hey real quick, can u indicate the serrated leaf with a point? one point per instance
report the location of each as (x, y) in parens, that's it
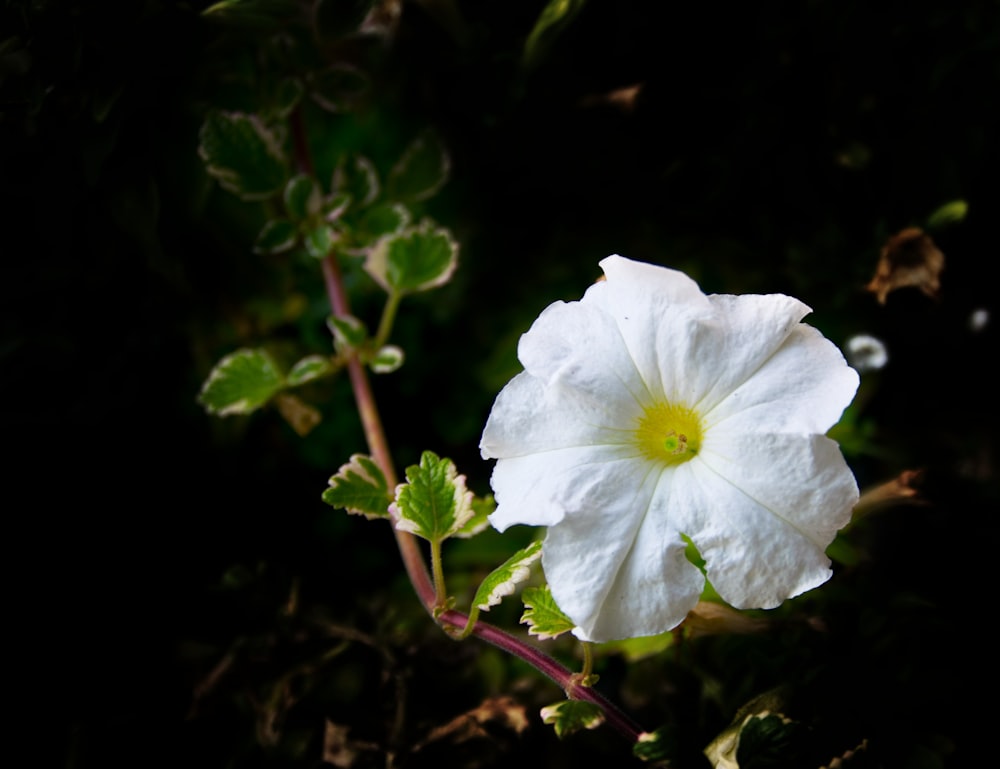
(543, 617)
(554, 18)
(319, 240)
(571, 716)
(349, 333)
(277, 235)
(505, 578)
(434, 503)
(414, 260)
(360, 488)
(357, 178)
(421, 171)
(243, 155)
(949, 213)
(482, 507)
(302, 197)
(309, 368)
(241, 382)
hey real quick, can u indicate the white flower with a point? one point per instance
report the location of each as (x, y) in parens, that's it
(648, 413)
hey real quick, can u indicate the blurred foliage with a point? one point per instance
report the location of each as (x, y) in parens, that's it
(195, 602)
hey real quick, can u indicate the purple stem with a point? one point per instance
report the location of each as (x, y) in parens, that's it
(409, 548)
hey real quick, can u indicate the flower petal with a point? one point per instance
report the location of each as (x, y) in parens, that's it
(668, 324)
(530, 416)
(577, 345)
(744, 332)
(653, 309)
(540, 489)
(804, 386)
(632, 578)
(769, 506)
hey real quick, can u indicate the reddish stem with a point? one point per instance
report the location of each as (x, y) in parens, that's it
(409, 547)
(413, 560)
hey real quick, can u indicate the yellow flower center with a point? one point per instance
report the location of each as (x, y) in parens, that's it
(669, 433)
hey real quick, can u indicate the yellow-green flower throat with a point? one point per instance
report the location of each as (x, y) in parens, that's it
(669, 433)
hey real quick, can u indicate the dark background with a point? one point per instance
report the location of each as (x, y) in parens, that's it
(771, 148)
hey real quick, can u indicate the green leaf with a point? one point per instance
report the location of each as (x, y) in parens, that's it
(414, 260)
(843, 551)
(277, 235)
(243, 155)
(653, 746)
(285, 98)
(357, 178)
(770, 741)
(543, 617)
(708, 593)
(309, 368)
(383, 219)
(360, 488)
(635, 649)
(335, 206)
(554, 18)
(349, 333)
(481, 509)
(502, 580)
(421, 171)
(302, 197)
(240, 383)
(949, 213)
(434, 503)
(757, 734)
(387, 359)
(319, 240)
(571, 716)
(338, 87)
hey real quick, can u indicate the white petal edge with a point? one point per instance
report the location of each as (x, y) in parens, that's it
(529, 417)
(762, 522)
(633, 579)
(803, 387)
(542, 489)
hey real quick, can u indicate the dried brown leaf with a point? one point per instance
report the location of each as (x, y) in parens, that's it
(904, 488)
(708, 618)
(908, 258)
(504, 712)
(623, 99)
(300, 415)
(341, 751)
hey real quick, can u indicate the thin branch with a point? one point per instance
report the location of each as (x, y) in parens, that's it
(409, 548)
(413, 559)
